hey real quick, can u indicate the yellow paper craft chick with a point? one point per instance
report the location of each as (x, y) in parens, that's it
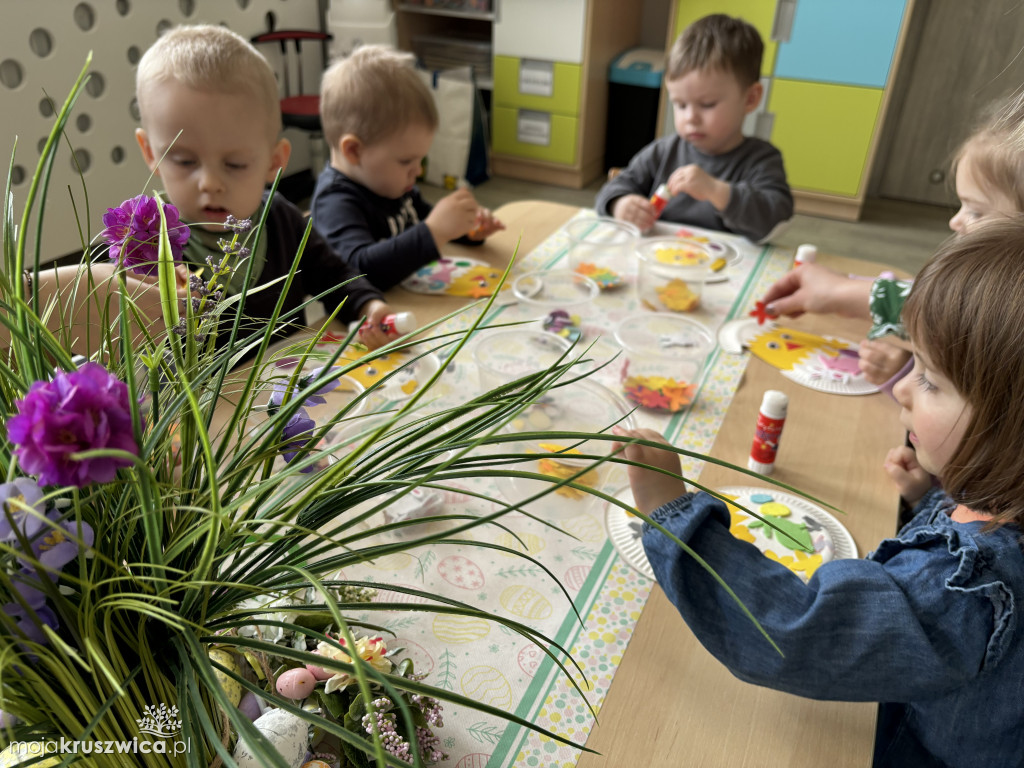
(476, 282)
(785, 348)
(677, 296)
(375, 370)
(561, 470)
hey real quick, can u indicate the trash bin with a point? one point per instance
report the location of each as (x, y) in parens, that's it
(634, 87)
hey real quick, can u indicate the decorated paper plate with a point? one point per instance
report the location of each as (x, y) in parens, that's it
(806, 522)
(461, 276)
(825, 363)
(413, 371)
(718, 245)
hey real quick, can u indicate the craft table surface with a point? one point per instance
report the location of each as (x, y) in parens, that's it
(670, 701)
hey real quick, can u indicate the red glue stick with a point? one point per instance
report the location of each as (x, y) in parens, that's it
(770, 419)
(660, 198)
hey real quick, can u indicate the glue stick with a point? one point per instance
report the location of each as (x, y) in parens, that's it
(770, 419)
(805, 254)
(660, 198)
(397, 324)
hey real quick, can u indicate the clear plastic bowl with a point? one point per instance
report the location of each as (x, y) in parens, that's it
(602, 249)
(582, 406)
(548, 290)
(664, 359)
(671, 274)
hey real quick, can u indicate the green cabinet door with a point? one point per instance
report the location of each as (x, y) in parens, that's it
(824, 133)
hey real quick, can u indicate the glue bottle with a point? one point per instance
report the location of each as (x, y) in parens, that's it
(770, 419)
(396, 325)
(805, 254)
(660, 198)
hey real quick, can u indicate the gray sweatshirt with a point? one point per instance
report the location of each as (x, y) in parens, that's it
(760, 197)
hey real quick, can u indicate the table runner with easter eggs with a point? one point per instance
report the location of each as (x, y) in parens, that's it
(490, 663)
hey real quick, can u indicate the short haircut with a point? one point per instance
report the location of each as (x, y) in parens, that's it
(964, 312)
(213, 59)
(718, 42)
(372, 94)
(996, 149)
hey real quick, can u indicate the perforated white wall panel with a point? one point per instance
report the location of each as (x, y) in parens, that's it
(43, 46)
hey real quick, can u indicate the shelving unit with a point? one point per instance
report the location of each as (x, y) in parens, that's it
(467, 33)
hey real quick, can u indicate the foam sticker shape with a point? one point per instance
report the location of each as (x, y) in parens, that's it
(460, 276)
(785, 348)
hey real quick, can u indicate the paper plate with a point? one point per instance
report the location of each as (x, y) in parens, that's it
(624, 529)
(458, 276)
(734, 335)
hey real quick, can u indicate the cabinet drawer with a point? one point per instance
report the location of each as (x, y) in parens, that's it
(534, 135)
(824, 133)
(541, 29)
(560, 80)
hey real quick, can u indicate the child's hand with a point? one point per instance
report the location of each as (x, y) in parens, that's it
(880, 360)
(912, 480)
(636, 210)
(651, 489)
(452, 217)
(813, 288)
(695, 182)
(375, 311)
(485, 225)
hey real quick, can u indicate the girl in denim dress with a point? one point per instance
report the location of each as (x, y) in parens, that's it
(930, 624)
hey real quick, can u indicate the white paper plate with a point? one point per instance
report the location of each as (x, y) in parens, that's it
(735, 335)
(625, 530)
(718, 244)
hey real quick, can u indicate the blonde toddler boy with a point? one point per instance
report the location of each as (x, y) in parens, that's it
(211, 131)
(379, 120)
(719, 179)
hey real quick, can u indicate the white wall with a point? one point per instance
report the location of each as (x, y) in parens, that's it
(43, 46)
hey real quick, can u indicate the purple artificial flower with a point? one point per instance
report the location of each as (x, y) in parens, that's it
(36, 602)
(83, 410)
(26, 492)
(58, 545)
(317, 398)
(298, 431)
(133, 231)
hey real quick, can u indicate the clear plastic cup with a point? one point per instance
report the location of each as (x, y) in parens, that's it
(664, 359)
(504, 354)
(671, 274)
(602, 249)
(582, 406)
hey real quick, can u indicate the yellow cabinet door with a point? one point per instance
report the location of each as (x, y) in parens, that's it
(534, 135)
(824, 133)
(759, 13)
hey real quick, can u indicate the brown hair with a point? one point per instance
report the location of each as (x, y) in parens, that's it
(372, 94)
(209, 58)
(996, 148)
(965, 312)
(718, 42)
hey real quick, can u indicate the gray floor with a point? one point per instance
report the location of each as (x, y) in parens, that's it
(893, 232)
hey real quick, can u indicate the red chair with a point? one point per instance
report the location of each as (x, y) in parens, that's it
(301, 110)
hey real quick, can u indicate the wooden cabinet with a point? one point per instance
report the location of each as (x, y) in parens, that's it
(827, 77)
(550, 98)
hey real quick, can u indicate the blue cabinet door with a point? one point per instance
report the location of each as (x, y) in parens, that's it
(841, 41)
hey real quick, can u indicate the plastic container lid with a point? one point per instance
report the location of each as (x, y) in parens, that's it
(643, 67)
(663, 334)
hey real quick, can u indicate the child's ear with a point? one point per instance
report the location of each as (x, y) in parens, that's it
(148, 156)
(351, 148)
(279, 158)
(753, 97)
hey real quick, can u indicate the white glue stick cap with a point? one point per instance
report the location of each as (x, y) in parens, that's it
(805, 254)
(405, 322)
(774, 404)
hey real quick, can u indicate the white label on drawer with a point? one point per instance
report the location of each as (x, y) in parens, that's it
(537, 77)
(533, 127)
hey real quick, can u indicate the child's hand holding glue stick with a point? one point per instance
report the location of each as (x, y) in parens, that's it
(383, 326)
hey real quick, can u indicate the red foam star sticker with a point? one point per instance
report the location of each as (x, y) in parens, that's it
(762, 313)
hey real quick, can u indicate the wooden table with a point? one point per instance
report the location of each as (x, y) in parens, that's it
(671, 702)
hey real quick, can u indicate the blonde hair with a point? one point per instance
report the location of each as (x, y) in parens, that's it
(964, 312)
(996, 149)
(718, 42)
(209, 58)
(372, 94)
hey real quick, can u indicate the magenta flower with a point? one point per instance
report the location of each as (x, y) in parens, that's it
(83, 410)
(133, 231)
